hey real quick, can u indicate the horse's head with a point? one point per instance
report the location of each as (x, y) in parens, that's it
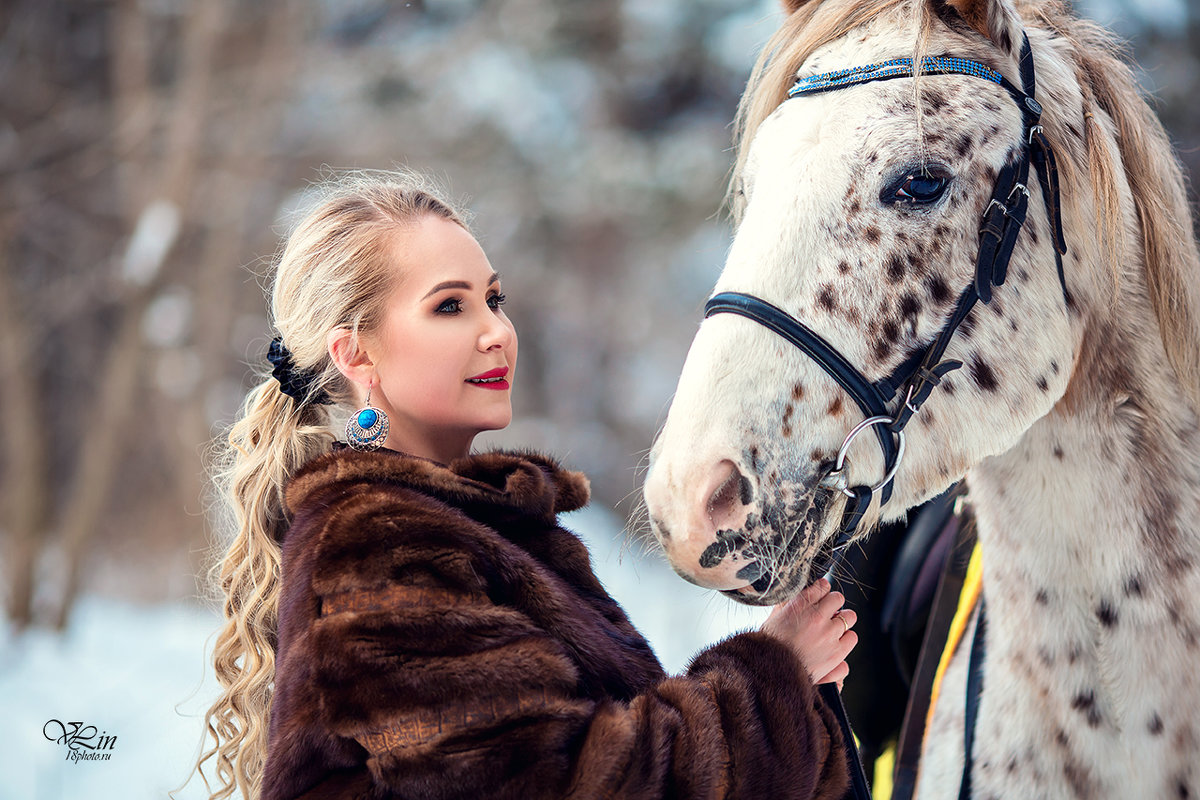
(858, 213)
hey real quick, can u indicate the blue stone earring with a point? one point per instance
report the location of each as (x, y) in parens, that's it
(368, 429)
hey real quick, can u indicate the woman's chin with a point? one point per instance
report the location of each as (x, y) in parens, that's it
(492, 422)
(499, 423)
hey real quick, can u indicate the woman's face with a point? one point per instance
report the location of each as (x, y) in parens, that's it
(445, 353)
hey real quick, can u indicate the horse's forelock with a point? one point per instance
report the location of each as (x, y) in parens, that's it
(810, 27)
(804, 31)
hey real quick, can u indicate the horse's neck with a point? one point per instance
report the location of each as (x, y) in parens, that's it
(1089, 527)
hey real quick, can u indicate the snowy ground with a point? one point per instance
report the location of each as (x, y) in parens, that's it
(140, 674)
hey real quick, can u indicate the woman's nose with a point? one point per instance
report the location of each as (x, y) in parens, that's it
(498, 333)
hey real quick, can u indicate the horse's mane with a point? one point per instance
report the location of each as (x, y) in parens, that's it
(1142, 150)
(1155, 177)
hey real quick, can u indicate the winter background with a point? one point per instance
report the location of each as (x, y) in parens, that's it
(150, 151)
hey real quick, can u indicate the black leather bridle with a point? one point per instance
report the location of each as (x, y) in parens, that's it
(915, 379)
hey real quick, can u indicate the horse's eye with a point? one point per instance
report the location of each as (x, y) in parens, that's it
(916, 188)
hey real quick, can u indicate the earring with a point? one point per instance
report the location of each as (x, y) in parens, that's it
(368, 428)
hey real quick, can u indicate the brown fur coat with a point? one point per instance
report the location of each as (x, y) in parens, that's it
(440, 636)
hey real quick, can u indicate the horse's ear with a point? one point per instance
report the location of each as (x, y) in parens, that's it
(996, 19)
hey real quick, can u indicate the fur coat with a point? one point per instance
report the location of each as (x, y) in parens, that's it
(440, 636)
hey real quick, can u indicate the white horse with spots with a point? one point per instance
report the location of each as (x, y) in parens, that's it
(1073, 417)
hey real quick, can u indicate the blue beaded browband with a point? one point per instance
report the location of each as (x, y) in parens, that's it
(895, 68)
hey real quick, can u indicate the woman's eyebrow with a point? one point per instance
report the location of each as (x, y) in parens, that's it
(458, 285)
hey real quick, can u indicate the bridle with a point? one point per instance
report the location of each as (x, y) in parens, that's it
(915, 379)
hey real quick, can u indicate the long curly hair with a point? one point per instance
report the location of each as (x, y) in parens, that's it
(334, 270)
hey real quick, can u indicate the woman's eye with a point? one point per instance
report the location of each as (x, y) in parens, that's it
(496, 300)
(450, 307)
(916, 189)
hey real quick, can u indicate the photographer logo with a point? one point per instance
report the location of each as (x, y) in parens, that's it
(83, 742)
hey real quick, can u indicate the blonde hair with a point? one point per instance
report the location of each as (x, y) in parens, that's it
(334, 271)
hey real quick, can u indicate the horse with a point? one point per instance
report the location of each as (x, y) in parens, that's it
(887, 154)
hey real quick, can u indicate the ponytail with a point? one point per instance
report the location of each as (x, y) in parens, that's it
(271, 441)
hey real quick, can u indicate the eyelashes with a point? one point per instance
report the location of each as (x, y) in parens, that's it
(453, 305)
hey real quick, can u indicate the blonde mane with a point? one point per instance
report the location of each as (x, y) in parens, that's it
(1167, 252)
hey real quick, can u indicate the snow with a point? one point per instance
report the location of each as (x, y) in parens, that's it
(135, 672)
(143, 675)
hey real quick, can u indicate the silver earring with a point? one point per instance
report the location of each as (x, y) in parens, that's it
(368, 428)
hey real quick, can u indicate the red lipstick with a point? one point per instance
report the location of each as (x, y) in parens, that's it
(492, 379)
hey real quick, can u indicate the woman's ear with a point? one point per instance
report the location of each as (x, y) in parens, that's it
(350, 357)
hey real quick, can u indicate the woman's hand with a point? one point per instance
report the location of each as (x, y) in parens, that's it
(817, 628)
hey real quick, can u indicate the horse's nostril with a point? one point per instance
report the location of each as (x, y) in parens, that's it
(746, 489)
(734, 493)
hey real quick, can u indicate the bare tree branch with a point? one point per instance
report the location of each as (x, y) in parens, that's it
(26, 501)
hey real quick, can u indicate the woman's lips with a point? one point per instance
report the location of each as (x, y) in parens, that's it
(492, 379)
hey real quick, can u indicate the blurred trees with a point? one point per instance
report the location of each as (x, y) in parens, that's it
(149, 151)
(126, 208)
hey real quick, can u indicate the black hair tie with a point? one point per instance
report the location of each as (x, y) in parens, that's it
(296, 384)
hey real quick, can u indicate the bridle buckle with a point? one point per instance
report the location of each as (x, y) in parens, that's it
(1020, 187)
(926, 377)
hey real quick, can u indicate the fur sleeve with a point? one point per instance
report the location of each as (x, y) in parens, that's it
(487, 708)
(744, 722)
(408, 659)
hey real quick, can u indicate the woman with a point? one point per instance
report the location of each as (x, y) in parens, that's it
(409, 617)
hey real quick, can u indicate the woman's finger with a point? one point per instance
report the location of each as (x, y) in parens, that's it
(837, 674)
(812, 594)
(830, 603)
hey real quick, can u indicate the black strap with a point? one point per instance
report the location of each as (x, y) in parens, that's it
(864, 393)
(1001, 223)
(828, 556)
(1044, 163)
(856, 507)
(932, 368)
(860, 788)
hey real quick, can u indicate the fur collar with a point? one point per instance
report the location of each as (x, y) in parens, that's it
(525, 482)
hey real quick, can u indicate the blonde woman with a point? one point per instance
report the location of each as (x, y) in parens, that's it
(406, 619)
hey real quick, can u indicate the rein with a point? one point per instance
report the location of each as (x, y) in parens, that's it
(916, 378)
